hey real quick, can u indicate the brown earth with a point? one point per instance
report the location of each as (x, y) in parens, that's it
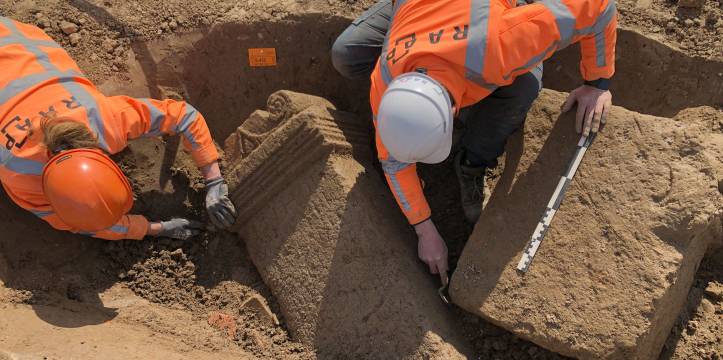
(67, 289)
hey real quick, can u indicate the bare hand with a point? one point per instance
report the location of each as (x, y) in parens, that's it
(593, 106)
(432, 249)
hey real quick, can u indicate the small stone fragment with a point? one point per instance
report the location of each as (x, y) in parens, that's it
(75, 39)
(257, 305)
(109, 45)
(714, 289)
(68, 27)
(707, 306)
(44, 24)
(692, 327)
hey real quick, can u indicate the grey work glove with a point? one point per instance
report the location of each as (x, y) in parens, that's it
(180, 229)
(220, 208)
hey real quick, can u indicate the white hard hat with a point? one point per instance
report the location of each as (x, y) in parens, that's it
(415, 119)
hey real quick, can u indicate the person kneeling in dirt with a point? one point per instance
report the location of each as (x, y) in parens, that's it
(57, 129)
(478, 61)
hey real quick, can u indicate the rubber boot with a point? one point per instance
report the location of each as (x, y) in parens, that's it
(472, 187)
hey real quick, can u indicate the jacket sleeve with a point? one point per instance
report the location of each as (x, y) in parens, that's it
(598, 45)
(135, 118)
(557, 24)
(405, 185)
(132, 227)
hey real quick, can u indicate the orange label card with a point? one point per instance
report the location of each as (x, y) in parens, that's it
(262, 57)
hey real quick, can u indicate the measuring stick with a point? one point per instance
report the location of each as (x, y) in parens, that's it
(541, 230)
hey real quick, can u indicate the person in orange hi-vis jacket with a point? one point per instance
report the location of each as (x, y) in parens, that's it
(478, 62)
(57, 129)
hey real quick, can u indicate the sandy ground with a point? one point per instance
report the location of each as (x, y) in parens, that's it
(168, 299)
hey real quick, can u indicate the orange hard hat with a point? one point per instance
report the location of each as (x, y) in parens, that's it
(86, 189)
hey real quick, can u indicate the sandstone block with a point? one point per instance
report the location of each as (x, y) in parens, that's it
(615, 268)
(328, 240)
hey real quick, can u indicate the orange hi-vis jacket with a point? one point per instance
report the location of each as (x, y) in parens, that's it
(38, 77)
(473, 47)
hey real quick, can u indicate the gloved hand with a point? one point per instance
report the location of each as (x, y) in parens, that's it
(220, 208)
(180, 229)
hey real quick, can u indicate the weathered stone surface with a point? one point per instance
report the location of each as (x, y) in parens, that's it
(615, 268)
(68, 27)
(328, 240)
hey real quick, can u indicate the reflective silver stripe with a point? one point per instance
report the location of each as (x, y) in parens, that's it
(566, 26)
(157, 117)
(119, 229)
(391, 168)
(386, 75)
(600, 56)
(184, 126)
(42, 214)
(91, 110)
(18, 86)
(81, 95)
(599, 30)
(13, 39)
(383, 62)
(400, 194)
(29, 44)
(477, 43)
(20, 165)
(564, 19)
(602, 21)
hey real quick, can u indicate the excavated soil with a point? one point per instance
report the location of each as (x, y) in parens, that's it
(169, 299)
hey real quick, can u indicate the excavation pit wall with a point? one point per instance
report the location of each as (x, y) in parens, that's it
(210, 69)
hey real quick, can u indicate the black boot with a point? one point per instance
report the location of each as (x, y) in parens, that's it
(472, 187)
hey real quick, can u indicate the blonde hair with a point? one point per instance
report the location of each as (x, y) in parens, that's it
(60, 134)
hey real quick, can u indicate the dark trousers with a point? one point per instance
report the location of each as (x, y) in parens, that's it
(486, 125)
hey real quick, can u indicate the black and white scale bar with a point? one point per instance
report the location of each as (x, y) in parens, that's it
(541, 230)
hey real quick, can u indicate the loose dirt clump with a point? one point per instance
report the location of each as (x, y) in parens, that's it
(156, 279)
